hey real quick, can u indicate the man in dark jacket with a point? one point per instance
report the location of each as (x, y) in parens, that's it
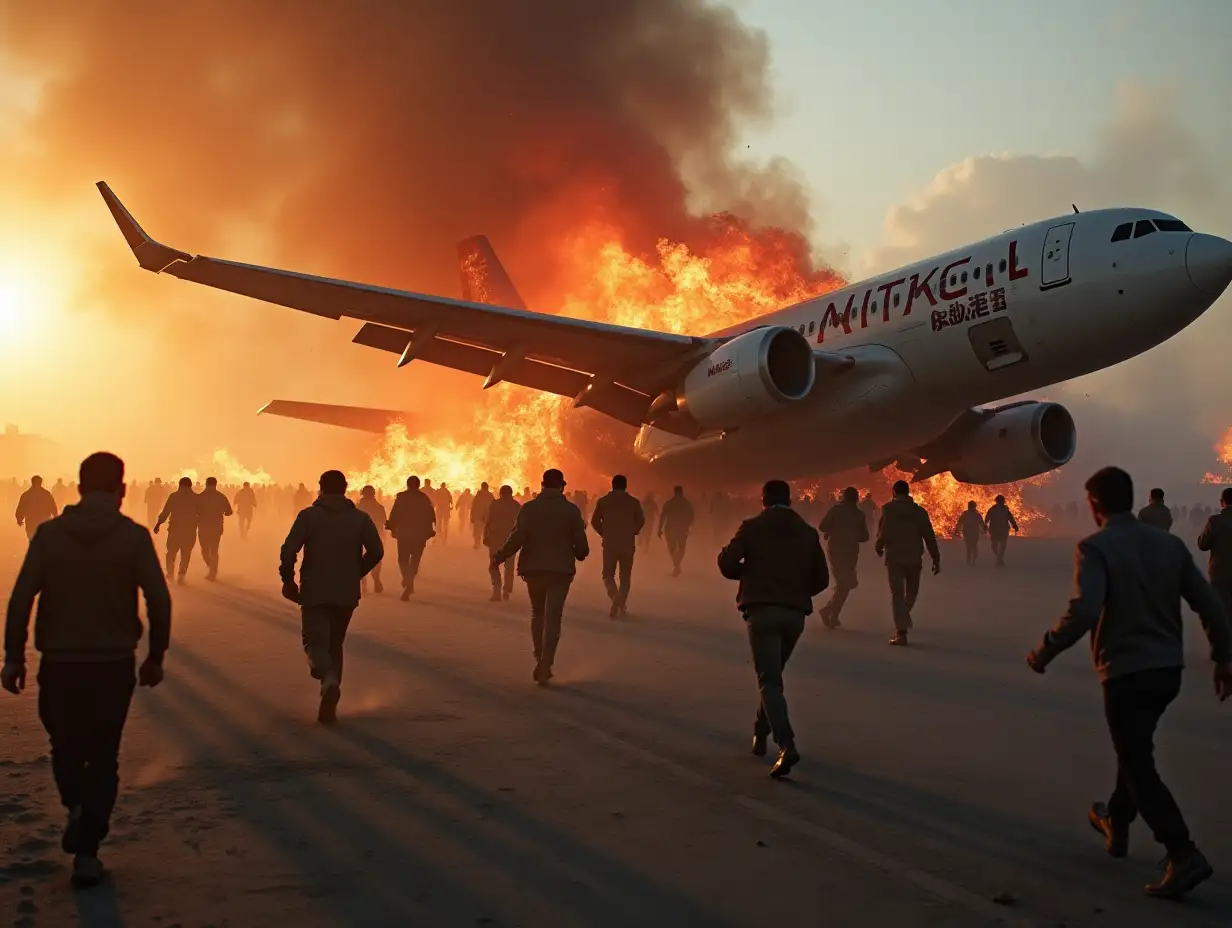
(35, 506)
(86, 567)
(374, 510)
(1156, 512)
(903, 533)
(778, 560)
(479, 513)
(618, 520)
(550, 533)
(501, 517)
(245, 507)
(1130, 580)
(675, 521)
(412, 521)
(1216, 538)
(999, 520)
(845, 528)
(971, 528)
(181, 510)
(212, 508)
(341, 546)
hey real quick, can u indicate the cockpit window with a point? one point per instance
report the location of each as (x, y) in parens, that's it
(1122, 232)
(1144, 227)
(1172, 225)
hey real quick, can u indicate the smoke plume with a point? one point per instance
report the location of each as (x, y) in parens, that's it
(356, 141)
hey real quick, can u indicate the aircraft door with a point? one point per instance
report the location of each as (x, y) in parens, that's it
(996, 344)
(1054, 261)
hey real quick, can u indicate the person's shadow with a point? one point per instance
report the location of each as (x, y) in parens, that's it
(98, 907)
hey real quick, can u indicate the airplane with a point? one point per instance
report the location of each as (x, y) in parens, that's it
(897, 369)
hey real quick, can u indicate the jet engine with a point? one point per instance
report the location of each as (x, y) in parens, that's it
(1017, 442)
(750, 376)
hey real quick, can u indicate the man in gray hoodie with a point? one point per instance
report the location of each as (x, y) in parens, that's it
(85, 567)
(1130, 580)
(341, 546)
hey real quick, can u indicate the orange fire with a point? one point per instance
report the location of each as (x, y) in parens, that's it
(229, 471)
(1223, 451)
(946, 499)
(694, 289)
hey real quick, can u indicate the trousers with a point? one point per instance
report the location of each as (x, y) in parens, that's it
(618, 558)
(209, 542)
(973, 550)
(904, 589)
(180, 543)
(998, 544)
(494, 574)
(323, 630)
(547, 592)
(773, 633)
(83, 707)
(843, 572)
(675, 549)
(410, 554)
(1133, 705)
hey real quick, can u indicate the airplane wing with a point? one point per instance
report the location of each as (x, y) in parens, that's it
(348, 417)
(614, 369)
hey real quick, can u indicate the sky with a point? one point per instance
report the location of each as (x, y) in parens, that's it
(580, 138)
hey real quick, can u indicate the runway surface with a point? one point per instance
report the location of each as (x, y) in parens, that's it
(942, 785)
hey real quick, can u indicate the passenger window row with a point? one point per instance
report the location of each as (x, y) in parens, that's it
(1146, 227)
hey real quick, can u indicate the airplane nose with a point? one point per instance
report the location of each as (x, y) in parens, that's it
(1208, 258)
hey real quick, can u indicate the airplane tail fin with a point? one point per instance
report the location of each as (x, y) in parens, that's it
(484, 279)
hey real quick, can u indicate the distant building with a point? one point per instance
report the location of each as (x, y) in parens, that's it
(22, 454)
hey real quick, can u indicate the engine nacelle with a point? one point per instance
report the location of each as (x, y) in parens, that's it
(749, 376)
(1018, 442)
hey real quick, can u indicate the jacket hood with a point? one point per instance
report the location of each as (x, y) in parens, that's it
(552, 491)
(93, 518)
(335, 501)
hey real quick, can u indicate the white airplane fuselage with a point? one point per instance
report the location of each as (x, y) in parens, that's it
(1014, 313)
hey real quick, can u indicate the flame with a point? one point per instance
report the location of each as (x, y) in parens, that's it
(1223, 451)
(946, 499)
(733, 274)
(229, 471)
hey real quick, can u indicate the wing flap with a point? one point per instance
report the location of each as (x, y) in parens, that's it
(360, 418)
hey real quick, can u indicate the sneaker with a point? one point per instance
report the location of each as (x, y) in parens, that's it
(505, 595)
(1116, 838)
(88, 871)
(759, 745)
(1182, 873)
(614, 611)
(406, 594)
(495, 597)
(899, 640)
(542, 674)
(72, 831)
(331, 693)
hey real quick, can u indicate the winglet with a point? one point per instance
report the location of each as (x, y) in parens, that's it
(150, 254)
(484, 278)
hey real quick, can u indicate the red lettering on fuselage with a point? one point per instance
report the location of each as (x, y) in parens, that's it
(886, 290)
(719, 368)
(946, 293)
(832, 319)
(1016, 272)
(864, 309)
(918, 288)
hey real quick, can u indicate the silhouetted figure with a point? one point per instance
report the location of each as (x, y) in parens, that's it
(371, 506)
(444, 511)
(245, 508)
(465, 500)
(479, 513)
(618, 519)
(85, 568)
(650, 509)
(502, 516)
(903, 533)
(1129, 583)
(212, 508)
(341, 545)
(971, 528)
(582, 500)
(180, 511)
(999, 520)
(1216, 538)
(412, 521)
(845, 528)
(869, 506)
(1156, 513)
(777, 558)
(675, 521)
(35, 506)
(550, 533)
(301, 500)
(155, 498)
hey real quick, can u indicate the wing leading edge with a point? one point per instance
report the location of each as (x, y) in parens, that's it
(615, 369)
